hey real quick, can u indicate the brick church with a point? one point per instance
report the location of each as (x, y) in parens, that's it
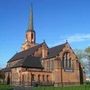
(41, 65)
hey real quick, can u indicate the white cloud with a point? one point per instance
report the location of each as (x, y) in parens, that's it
(72, 38)
(78, 37)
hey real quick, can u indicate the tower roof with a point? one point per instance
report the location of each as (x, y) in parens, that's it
(30, 25)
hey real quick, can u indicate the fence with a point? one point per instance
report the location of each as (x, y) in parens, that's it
(33, 83)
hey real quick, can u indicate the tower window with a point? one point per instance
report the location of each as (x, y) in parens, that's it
(32, 35)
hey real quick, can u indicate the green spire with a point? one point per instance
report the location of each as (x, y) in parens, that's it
(30, 26)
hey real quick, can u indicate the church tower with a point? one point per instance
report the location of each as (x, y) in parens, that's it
(30, 33)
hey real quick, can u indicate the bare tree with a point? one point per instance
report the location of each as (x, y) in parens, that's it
(87, 51)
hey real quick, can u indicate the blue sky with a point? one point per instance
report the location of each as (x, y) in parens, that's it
(55, 21)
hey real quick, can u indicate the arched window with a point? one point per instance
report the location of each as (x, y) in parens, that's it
(67, 60)
(39, 77)
(43, 78)
(69, 63)
(32, 77)
(47, 77)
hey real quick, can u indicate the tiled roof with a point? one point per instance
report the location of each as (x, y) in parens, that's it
(55, 50)
(25, 58)
(52, 52)
(7, 69)
(29, 62)
(24, 54)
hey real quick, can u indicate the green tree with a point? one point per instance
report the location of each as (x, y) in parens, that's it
(87, 50)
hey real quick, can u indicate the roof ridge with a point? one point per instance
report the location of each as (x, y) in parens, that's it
(57, 45)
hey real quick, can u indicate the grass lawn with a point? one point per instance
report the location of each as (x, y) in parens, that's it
(5, 87)
(84, 87)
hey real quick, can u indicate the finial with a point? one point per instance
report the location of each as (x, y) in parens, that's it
(66, 41)
(43, 40)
